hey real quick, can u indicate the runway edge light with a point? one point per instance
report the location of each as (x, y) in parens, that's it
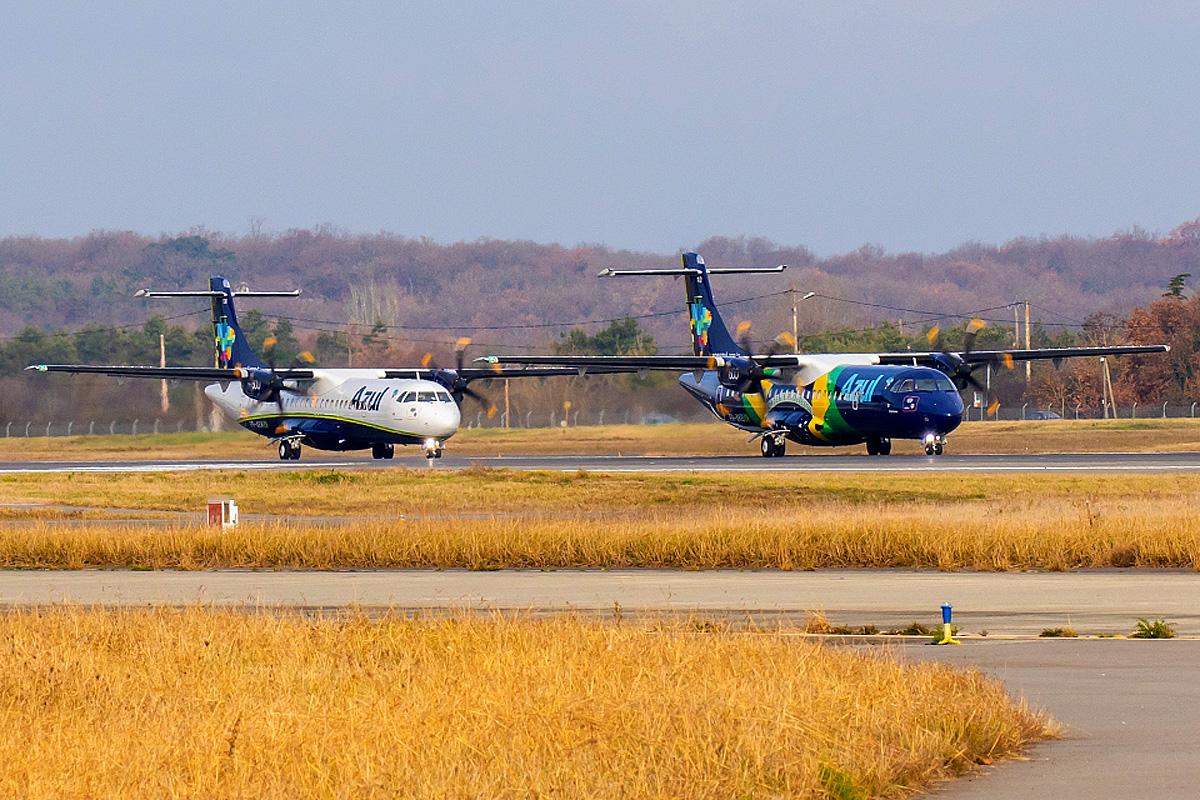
(947, 636)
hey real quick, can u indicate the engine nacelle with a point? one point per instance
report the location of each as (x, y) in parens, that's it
(742, 375)
(260, 384)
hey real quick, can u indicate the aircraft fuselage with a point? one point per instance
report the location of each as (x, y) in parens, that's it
(848, 405)
(346, 410)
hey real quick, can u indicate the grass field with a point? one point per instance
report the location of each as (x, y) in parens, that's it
(491, 519)
(199, 703)
(711, 438)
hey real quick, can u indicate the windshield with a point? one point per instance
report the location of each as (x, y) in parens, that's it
(936, 383)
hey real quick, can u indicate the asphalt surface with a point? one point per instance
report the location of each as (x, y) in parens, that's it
(1094, 602)
(1026, 462)
(1129, 710)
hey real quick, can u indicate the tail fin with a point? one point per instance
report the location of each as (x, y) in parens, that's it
(232, 348)
(709, 334)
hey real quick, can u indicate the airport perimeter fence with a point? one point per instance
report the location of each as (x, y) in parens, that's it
(28, 428)
(112, 427)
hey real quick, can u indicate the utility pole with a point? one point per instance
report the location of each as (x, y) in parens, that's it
(1028, 346)
(506, 403)
(162, 362)
(795, 327)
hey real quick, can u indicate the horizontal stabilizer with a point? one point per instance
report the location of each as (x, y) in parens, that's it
(611, 273)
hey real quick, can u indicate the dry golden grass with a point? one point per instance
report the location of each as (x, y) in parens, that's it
(492, 519)
(706, 438)
(1037, 536)
(199, 703)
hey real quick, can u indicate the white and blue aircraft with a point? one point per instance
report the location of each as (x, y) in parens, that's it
(328, 409)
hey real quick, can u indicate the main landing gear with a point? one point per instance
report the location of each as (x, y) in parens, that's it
(382, 450)
(773, 446)
(289, 450)
(879, 447)
(934, 444)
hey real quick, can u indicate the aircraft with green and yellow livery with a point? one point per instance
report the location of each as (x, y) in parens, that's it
(820, 399)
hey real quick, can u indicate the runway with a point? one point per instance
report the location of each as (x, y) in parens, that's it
(1019, 463)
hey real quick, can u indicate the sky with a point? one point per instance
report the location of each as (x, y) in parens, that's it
(914, 126)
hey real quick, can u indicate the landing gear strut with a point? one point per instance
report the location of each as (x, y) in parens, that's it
(773, 446)
(382, 450)
(289, 450)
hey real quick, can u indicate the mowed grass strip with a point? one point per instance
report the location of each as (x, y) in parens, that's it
(495, 519)
(206, 703)
(693, 438)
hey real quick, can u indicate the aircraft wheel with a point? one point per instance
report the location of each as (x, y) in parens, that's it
(285, 452)
(780, 448)
(885, 447)
(378, 451)
(437, 453)
(872, 447)
(389, 450)
(767, 447)
(929, 449)
(938, 447)
(295, 451)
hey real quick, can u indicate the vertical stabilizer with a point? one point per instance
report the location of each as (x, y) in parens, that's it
(709, 334)
(232, 348)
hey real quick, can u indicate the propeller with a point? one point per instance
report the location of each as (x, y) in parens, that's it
(457, 385)
(272, 384)
(961, 371)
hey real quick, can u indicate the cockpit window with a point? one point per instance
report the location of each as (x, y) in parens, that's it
(444, 397)
(426, 397)
(937, 383)
(408, 397)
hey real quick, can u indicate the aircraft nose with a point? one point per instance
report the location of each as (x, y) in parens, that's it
(942, 411)
(445, 421)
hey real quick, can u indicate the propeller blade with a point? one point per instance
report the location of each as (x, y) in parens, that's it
(932, 335)
(973, 329)
(488, 405)
(460, 350)
(743, 335)
(426, 359)
(783, 343)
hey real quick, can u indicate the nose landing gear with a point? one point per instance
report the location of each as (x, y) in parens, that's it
(433, 449)
(934, 444)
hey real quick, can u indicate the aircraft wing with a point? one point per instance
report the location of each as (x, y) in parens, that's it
(496, 372)
(1008, 356)
(171, 373)
(803, 360)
